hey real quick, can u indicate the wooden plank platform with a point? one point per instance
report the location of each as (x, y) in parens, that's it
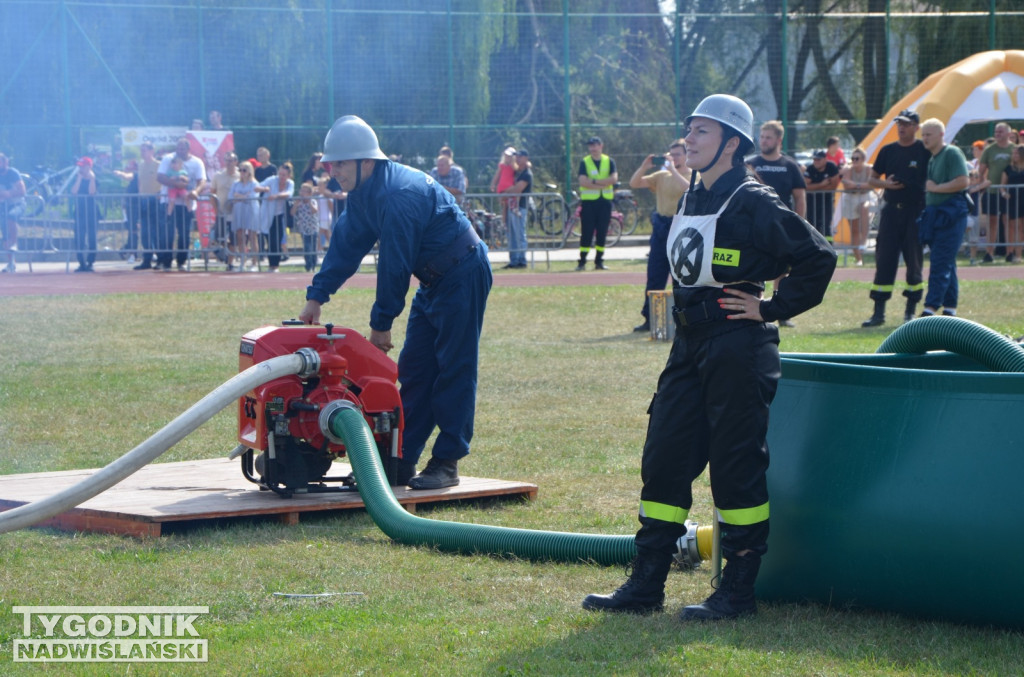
(192, 491)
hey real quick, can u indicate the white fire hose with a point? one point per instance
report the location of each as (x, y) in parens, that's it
(304, 362)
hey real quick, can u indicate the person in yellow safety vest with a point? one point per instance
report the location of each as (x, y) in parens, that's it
(597, 178)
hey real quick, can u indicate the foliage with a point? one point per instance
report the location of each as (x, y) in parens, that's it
(476, 74)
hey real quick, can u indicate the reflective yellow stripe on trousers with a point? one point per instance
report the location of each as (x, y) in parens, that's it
(663, 512)
(745, 516)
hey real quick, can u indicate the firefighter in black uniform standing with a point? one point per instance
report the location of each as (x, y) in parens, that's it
(904, 164)
(711, 406)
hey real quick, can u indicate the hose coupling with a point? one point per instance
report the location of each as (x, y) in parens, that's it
(687, 554)
(327, 412)
(310, 362)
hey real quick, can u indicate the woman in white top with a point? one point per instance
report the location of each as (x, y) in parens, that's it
(858, 199)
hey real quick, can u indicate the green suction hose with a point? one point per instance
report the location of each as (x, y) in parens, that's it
(957, 335)
(348, 424)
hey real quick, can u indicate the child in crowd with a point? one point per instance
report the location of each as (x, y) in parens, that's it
(245, 216)
(324, 210)
(833, 153)
(305, 212)
(504, 178)
(176, 196)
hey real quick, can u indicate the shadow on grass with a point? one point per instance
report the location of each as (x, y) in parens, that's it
(781, 639)
(628, 337)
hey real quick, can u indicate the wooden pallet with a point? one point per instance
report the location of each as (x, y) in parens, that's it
(193, 491)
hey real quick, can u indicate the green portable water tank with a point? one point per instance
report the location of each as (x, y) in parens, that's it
(895, 484)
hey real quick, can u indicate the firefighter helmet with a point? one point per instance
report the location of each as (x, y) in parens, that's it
(350, 138)
(728, 111)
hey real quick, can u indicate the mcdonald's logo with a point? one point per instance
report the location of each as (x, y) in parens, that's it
(1011, 93)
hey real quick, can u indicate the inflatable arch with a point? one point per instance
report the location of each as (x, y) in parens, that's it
(988, 86)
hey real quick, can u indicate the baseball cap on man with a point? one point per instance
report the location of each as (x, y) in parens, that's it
(522, 152)
(85, 162)
(819, 154)
(594, 139)
(907, 115)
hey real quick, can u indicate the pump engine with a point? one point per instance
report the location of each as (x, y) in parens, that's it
(279, 423)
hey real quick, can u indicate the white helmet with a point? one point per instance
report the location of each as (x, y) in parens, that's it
(350, 138)
(729, 111)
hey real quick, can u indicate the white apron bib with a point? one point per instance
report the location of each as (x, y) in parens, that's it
(691, 246)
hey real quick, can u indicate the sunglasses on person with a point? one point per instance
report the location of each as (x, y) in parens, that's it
(858, 158)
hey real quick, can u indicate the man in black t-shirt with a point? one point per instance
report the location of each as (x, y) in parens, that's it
(822, 177)
(779, 171)
(782, 173)
(517, 210)
(904, 164)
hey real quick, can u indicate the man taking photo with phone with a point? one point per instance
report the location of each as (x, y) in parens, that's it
(668, 184)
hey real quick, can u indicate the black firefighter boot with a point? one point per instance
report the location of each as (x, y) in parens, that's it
(582, 265)
(643, 593)
(911, 312)
(439, 473)
(735, 594)
(599, 261)
(878, 317)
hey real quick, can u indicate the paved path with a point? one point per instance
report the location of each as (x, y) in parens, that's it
(116, 276)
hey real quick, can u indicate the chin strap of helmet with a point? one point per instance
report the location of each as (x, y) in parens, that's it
(727, 133)
(721, 147)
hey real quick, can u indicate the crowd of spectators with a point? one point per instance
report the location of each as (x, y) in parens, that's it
(255, 202)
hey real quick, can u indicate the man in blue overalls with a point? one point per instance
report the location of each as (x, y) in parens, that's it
(422, 232)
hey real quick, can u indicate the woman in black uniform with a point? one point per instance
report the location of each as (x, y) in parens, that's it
(711, 407)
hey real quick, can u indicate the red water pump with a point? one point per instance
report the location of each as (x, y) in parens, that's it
(279, 422)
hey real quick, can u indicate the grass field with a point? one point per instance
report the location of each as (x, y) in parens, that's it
(564, 386)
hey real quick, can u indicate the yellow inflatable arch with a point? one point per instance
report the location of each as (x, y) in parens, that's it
(988, 86)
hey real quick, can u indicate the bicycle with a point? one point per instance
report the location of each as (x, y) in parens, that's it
(549, 217)
(47, 185)
(490, 227)
(627, 205)
(572, 224)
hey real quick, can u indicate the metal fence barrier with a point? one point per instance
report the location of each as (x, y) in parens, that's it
(134, 227)
(68, 227)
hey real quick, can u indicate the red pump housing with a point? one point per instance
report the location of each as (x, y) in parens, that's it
(279, 420)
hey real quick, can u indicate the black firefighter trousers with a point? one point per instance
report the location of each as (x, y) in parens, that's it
(711, 409)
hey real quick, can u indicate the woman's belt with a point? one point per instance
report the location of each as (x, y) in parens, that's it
(698, 313)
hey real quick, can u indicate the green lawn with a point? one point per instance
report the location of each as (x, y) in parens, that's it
(564, 386)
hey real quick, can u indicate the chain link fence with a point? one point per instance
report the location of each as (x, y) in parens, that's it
(477, 75)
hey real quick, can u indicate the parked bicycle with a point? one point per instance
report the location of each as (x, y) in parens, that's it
(489, 226)
(47, 185)
(574, 229)
(626, 204)
(547, 213)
